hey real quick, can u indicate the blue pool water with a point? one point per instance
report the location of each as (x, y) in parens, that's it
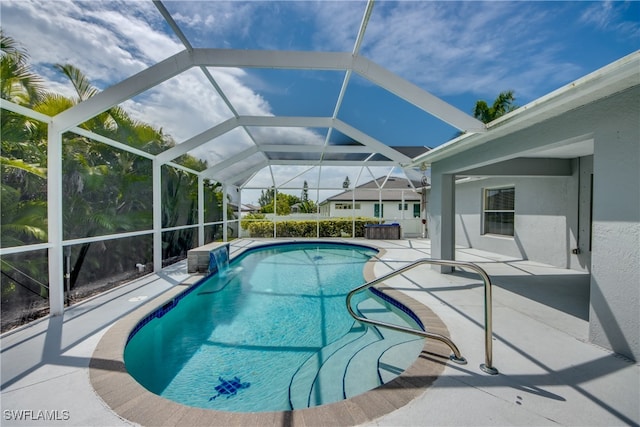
(254, 339)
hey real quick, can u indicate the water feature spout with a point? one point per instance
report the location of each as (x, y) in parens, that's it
(219, 261)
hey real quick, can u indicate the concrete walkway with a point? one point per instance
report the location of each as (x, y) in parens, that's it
(549, 373)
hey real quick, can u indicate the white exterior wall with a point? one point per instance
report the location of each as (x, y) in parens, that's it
(611, 124)
(366, 209)
(411, 227)
(615, 271)
(391, 210)
(545, 219)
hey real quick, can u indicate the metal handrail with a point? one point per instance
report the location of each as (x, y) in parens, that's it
(456, 356)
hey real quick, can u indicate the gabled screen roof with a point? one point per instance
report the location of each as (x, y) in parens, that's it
(246, 86)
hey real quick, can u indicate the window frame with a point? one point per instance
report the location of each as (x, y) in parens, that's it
(483, 223)
(417, 212)
(378, 210)
(343, 206)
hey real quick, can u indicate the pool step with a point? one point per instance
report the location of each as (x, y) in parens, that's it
(361, 360)
(328, 385)
(380, 362)
(398, 358)
(303, 380)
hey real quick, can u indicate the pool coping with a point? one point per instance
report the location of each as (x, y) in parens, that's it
(132, 402)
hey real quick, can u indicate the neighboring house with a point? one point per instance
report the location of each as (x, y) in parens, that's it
(392, 199)
(556, 181)
(247, 208)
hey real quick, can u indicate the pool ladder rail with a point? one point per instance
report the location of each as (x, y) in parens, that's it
(456, 357)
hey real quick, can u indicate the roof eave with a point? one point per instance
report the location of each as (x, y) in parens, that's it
(613, 78)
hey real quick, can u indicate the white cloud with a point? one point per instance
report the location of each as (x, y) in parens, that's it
(600, 14)
(110, 41)
(611, 16)
(245, 100)
(337, 23)
(220, 18)
(64, 32)
(448, 48)
(456, 48)
(280, 135)
(137, 37)
(184, 106)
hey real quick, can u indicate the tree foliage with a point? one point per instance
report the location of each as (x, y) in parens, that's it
(105, 190)
(18, 83)
(282, 204)
(503, 104)
(266, 197)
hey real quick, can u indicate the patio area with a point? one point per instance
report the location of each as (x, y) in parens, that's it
(549, 373)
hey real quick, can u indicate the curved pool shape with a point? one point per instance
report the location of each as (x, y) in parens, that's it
(272, 333)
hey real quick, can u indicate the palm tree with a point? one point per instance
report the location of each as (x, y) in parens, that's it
(23, 160)
(105, 190)
(503, 104)
(23, 206)
(18, 83)
(308, 206)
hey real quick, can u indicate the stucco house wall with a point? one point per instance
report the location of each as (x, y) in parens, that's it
(598, 116)
(615, 270)
(546, 219)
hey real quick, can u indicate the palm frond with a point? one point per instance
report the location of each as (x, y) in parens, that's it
(80, 82)
(105, 220)
(19, 83)
(22, 165)
(52, 103)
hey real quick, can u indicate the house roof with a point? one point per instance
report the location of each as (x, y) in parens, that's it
(393, 189)
(604, 83)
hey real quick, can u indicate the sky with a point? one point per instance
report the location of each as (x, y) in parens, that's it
(460, 52)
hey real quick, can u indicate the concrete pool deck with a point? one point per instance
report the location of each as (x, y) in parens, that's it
(549, 373)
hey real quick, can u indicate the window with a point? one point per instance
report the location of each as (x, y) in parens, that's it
(347, 206)
(378, 210)
(403, 208)
(416, 210)
(499, 212)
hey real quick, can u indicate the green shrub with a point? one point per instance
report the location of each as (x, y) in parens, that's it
(260, 228)
(249, 218)
(333, 227)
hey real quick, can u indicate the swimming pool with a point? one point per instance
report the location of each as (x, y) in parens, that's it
(273, 333)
